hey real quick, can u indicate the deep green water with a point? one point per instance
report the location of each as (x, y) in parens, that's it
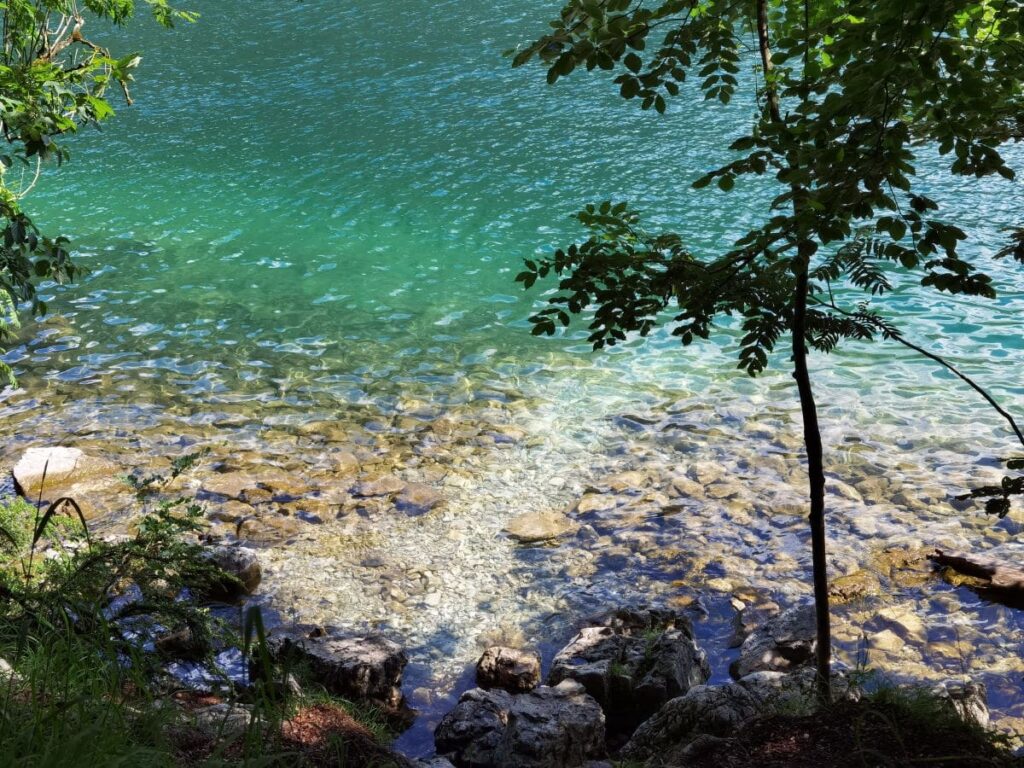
(314, 206)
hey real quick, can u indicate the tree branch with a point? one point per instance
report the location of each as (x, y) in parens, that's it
(891, 333)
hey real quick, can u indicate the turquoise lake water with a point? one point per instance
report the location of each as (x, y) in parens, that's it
(316, 212)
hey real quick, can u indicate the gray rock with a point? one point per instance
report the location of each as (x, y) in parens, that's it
(718, 710)
(511, 669)
(362, 668)
(782, 643)
(968, 700)
(224, 719)
(632, 662)
(559, 727)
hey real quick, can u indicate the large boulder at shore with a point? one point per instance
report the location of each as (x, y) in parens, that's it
(718, 710)
(511, 669)
(550, 727)
(48, 474)
(362, 668)
(633, 661)
(782, 643)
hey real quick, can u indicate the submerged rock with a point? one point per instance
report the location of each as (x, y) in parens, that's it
(508, 668)
(417, 499)
(854, 586)
(48, 474)
(267, 529)
(535, 527)
(632, 662)
(382, 486)
(229, 485)
(240, 563)
(783, 643)
(551, 727)
(363, 668)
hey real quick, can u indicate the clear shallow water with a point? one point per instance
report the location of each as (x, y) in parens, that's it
(313, 215)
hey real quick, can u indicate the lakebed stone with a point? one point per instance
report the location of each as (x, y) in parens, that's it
(240, 563)
(388, 485)
(47, 474)
(854, 586)
(417, 499)
(550, 727)
(535, 527)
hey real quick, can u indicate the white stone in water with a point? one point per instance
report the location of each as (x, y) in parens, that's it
(55, 463)
(59, 471)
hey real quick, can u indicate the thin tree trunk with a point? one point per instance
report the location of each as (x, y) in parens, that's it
(808, 408)
(771, 92)
(816, 476)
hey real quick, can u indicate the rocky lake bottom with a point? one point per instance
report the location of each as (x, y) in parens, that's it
(504, 519)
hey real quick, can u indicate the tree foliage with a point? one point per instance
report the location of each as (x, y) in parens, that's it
(882, 83)
(53, 80)
(850, 96)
